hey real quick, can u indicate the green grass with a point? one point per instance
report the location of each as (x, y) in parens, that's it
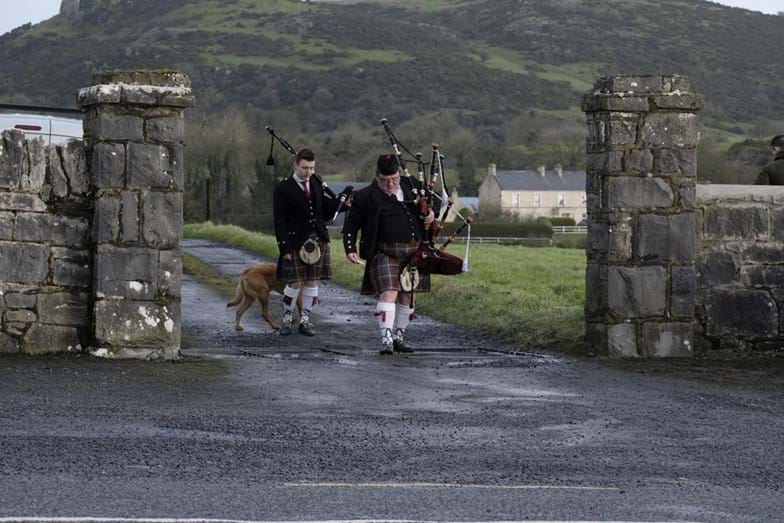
(570, 241)
(209, 14)
(230, 59)
(306, 54)
(423, 6)
(207, 274)
(216, 18)
(579, 75)
(530, 296)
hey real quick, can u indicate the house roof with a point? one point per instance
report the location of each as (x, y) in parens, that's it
(533, 181)
(339, 186)
(472, 202)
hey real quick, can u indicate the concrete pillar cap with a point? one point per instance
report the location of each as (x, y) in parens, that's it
(140, 88)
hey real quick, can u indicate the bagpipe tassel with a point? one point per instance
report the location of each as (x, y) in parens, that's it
(466, 265)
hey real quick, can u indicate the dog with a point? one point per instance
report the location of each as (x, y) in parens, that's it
(255, 284)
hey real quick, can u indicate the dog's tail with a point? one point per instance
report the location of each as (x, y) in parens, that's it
(238, 297)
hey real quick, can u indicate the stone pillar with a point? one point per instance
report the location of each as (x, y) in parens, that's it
(641, 174)
(134, 128)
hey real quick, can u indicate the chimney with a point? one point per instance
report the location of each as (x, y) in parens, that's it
(559, 170)
(541, 170)
(491, 170)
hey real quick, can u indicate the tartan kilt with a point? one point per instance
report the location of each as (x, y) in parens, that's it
(295, 270)
(382, 273)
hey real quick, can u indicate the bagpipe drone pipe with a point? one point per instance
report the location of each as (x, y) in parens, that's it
(344, 195)
(429, 259)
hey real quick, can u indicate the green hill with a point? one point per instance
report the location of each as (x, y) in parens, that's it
(325, 65)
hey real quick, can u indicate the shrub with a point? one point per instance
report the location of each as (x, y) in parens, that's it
(562, 222)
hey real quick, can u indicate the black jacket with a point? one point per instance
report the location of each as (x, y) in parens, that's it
(295, 218)
(365, 213)
(773, 173)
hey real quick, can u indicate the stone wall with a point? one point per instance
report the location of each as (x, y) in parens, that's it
(134, 130)
(90, 231)
(673, 267)
(740, 267)
(45, 257)
(640, 184)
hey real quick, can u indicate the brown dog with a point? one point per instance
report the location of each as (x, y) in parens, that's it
(255, 284)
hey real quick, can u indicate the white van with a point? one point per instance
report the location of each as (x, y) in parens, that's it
(53, 127)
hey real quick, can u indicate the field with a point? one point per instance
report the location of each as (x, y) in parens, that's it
(530, 296)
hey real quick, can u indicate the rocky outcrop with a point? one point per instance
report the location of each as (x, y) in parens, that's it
(76, 8)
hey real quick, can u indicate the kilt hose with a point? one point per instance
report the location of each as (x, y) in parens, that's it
(382, 273)
(296, 271)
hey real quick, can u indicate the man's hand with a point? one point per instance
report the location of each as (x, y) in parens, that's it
(430, 218)
(353, 257)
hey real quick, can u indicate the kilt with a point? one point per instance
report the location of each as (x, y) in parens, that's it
(295, 270)
(382, 273)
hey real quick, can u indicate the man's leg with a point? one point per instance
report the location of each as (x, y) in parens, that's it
(403, 316)
(385, 311)
(309, 301)
(290, 293)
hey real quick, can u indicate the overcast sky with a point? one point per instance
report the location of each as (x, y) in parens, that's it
(14, 13)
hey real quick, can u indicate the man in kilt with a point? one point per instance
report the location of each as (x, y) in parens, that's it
(391, 229)
(300, 211)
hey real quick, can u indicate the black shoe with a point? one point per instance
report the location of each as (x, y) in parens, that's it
(306, 330)
(400, 346)
(285, 328)
(386, 350)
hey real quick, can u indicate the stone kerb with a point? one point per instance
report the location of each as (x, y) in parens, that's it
(641, 173)
(134, 128)
(45, 265)
(740, 267)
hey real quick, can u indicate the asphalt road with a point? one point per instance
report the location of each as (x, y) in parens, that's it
(254, 426)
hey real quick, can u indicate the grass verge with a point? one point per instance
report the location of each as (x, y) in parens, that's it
(530, 296)
(208, 275)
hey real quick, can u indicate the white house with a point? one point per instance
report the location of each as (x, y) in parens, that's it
(555, 193)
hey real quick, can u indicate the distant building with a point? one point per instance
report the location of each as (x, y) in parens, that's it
(555, 193)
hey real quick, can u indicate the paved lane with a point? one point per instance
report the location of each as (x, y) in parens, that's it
(260, 427)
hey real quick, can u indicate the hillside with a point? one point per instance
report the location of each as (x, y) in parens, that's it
(325, 65)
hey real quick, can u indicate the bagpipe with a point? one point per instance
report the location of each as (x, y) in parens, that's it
(344, 196)
(429, 259)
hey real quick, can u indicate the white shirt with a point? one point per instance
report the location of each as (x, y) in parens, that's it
(300, 181)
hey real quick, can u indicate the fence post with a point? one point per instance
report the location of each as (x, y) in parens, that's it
(134, 130)
(641, 174)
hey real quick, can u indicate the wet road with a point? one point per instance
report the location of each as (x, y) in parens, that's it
(258, 427)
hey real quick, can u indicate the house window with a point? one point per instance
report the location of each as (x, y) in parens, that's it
(515, 199)
(537, 199)
(561, 199)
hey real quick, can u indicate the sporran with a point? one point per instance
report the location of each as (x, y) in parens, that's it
(409, 278)
(310, 252)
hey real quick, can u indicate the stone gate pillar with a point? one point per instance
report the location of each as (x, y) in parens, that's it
(134, 127)
(641, 175)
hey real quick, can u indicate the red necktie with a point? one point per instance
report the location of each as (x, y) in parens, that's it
(307, 189)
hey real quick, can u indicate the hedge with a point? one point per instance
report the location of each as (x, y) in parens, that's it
(562, 222)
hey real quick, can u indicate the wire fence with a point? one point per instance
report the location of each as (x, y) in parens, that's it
(504, 240)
